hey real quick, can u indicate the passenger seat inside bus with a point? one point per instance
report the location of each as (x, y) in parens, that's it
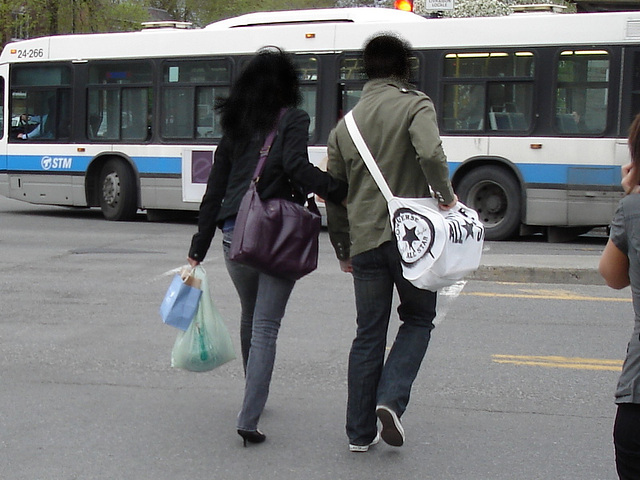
(507, 121)
(566, 123)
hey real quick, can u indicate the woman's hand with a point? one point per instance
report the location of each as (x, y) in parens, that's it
(630, 178)
(192, 262)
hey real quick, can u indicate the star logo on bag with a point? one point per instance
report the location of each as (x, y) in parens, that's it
(468, 226)
(410, 236)
(414, 234)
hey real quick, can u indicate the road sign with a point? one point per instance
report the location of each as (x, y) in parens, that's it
(439, 5)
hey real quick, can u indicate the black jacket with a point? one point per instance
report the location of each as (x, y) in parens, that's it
(287, 174)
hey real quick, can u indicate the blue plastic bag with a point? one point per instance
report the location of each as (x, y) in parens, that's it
(180, 303)
(206, 344)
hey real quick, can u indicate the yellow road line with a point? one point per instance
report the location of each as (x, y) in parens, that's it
(548, 296)
(560, 362)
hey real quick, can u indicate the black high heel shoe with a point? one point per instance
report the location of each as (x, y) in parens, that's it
(251, 436)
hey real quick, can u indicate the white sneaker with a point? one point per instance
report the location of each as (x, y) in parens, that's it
(392, 431)
(364, 448)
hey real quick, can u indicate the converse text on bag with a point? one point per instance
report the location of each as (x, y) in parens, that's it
(415, 235)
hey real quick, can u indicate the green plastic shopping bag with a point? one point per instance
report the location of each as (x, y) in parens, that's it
(206, 344)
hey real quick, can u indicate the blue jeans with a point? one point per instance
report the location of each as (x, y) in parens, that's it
(371, 380)
(263, 299)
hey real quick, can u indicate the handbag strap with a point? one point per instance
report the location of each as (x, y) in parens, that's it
(365, 153)
(268, 141)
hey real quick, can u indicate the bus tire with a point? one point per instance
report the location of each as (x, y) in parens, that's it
(117, 191)
(495, 194)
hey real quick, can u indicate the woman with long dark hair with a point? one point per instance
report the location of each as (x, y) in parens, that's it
(620, 267)
(265, 96)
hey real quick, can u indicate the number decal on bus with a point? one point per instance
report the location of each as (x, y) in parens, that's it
(29, 53)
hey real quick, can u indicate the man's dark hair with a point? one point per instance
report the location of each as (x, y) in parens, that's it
(387, 55)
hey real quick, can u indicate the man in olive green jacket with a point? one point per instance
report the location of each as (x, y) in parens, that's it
(400, 128)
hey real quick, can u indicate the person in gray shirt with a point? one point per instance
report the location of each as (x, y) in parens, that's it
(620, 267)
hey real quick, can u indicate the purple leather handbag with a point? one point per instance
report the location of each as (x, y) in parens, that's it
(276, 236)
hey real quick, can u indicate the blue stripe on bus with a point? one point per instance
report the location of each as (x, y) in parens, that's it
(565, 174)
(80, 163)
(571, 174)
(531, 173)
(159, 164)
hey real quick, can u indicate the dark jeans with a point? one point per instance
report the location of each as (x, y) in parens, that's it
(371, 380)
(263, 300)
(626, 438)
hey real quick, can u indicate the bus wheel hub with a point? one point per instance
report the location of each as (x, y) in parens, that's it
(494, 204)
(110, 188)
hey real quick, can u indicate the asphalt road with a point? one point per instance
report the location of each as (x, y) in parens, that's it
(517, 384)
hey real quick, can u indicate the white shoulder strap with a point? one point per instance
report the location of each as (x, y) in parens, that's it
(365, 153)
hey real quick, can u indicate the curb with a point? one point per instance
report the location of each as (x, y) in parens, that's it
(577, 276)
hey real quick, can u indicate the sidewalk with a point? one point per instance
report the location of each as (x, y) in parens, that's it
(573, 263)
(572, 269)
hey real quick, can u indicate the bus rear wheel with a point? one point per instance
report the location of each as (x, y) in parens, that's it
(495, 194)
(117, 191)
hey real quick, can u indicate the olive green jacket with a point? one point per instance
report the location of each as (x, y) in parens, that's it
(400, 128)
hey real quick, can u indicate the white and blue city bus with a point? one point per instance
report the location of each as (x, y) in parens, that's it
(533, 107)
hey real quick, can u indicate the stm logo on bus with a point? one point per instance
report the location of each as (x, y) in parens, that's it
(56, 163)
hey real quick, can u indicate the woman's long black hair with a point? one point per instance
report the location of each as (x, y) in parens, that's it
(268, 83)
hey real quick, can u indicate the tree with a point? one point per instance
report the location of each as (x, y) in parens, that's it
(486, 8)
(35, 18)
(203, 12)
(220, 10)
(365, 3)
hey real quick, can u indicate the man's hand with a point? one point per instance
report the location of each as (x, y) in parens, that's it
(345, 265)
(449, 206)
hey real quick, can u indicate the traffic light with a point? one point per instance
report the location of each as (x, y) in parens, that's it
(406, 5)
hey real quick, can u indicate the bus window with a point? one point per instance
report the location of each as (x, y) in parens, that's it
(352, 68)
(308, 76)
(464, 107)
(40, 102)
(177, 118)
(634, 77)
(189, 91)
(1, 107)
(488, 91)
(119, 101)
(582, 89)
(510, 106)
(135, 114)
(489, 64)
(353, 77)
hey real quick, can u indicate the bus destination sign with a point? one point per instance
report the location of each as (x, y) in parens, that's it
(439, 5)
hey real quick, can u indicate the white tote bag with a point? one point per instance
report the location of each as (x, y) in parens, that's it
(437, 248)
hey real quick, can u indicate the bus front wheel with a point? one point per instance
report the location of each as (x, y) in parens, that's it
(117, 191)
(495, 194)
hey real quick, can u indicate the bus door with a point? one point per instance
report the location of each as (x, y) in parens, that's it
(196, 166)
(4, 128)
(630, 104)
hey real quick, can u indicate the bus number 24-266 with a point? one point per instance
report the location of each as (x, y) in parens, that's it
(29, 53)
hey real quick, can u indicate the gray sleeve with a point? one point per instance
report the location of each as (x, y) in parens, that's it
(618, 235)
